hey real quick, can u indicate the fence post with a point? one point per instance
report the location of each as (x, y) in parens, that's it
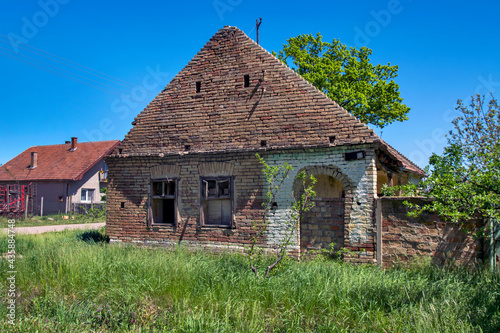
(41, 207)
(26, 203)
(70, 206)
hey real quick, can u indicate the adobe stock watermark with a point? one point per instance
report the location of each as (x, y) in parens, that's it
(223, 6)
(32, 25)
(123, 105)
(486, 86)
(438, 136)
(381, 19)
(11, 273)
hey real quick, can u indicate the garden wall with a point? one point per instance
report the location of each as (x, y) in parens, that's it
(402, 238)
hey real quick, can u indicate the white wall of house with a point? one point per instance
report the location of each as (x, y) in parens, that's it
(90, 181)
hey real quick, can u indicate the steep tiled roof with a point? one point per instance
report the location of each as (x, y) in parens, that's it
(56, 162)
(278, 107)
(207, 107)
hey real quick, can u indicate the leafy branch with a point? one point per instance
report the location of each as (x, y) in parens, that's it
(275, 178)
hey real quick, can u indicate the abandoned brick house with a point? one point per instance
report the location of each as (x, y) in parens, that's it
(187, 170)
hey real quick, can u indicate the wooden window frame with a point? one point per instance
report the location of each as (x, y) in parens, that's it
(164, 196)
(205, 196)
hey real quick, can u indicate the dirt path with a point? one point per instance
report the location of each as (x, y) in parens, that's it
(49, 228)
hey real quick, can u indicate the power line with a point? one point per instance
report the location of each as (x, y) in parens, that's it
(60, 69)
(57, 73)
(72, 62)
(87, 70)
(128, 85)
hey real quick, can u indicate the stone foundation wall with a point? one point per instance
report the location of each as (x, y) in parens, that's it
(405, 238)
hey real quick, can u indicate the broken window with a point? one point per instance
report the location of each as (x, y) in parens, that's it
(217, 201)
(164, 201)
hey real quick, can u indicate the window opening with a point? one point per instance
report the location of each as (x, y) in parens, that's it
(217, 207)
(164, 201)
(87, 195)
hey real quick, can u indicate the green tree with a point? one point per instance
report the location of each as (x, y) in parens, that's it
(347, 76)
(464, 183)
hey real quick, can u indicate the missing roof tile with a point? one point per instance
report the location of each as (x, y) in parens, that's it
(247, 80)
(263, 143)
(198, 86)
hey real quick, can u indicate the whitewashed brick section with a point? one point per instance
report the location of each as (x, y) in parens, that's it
(361, 174)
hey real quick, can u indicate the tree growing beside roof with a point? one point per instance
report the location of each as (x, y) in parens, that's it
(347, 76)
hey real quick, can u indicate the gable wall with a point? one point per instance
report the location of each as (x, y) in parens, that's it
(278, 106)
(89, 181)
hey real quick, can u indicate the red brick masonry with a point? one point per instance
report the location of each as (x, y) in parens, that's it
(405, 238)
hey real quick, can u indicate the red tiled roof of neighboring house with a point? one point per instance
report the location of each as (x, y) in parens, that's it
(56, 162)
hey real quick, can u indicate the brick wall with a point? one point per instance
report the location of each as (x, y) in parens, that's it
(278, 107)
(405, 238)
(358, 178)
(129, 185)
(323, 224)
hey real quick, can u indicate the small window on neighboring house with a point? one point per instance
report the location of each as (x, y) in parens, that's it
(217, 201)
(164, 201)
(87, 195)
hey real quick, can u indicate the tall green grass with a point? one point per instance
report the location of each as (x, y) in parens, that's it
(69, 285)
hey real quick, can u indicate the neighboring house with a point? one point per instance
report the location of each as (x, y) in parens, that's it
(65, 176)
(187, 170)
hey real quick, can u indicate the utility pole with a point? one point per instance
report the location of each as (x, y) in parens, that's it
(258, 25)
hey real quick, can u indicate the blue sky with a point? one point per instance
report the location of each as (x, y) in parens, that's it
(445, 51)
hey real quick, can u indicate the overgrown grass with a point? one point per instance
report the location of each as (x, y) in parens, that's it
(66, 284)
(55, 219)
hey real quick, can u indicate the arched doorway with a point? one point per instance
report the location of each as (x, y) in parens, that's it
(324, 224)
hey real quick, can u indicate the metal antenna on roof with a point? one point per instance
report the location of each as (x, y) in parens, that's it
(258, 25)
